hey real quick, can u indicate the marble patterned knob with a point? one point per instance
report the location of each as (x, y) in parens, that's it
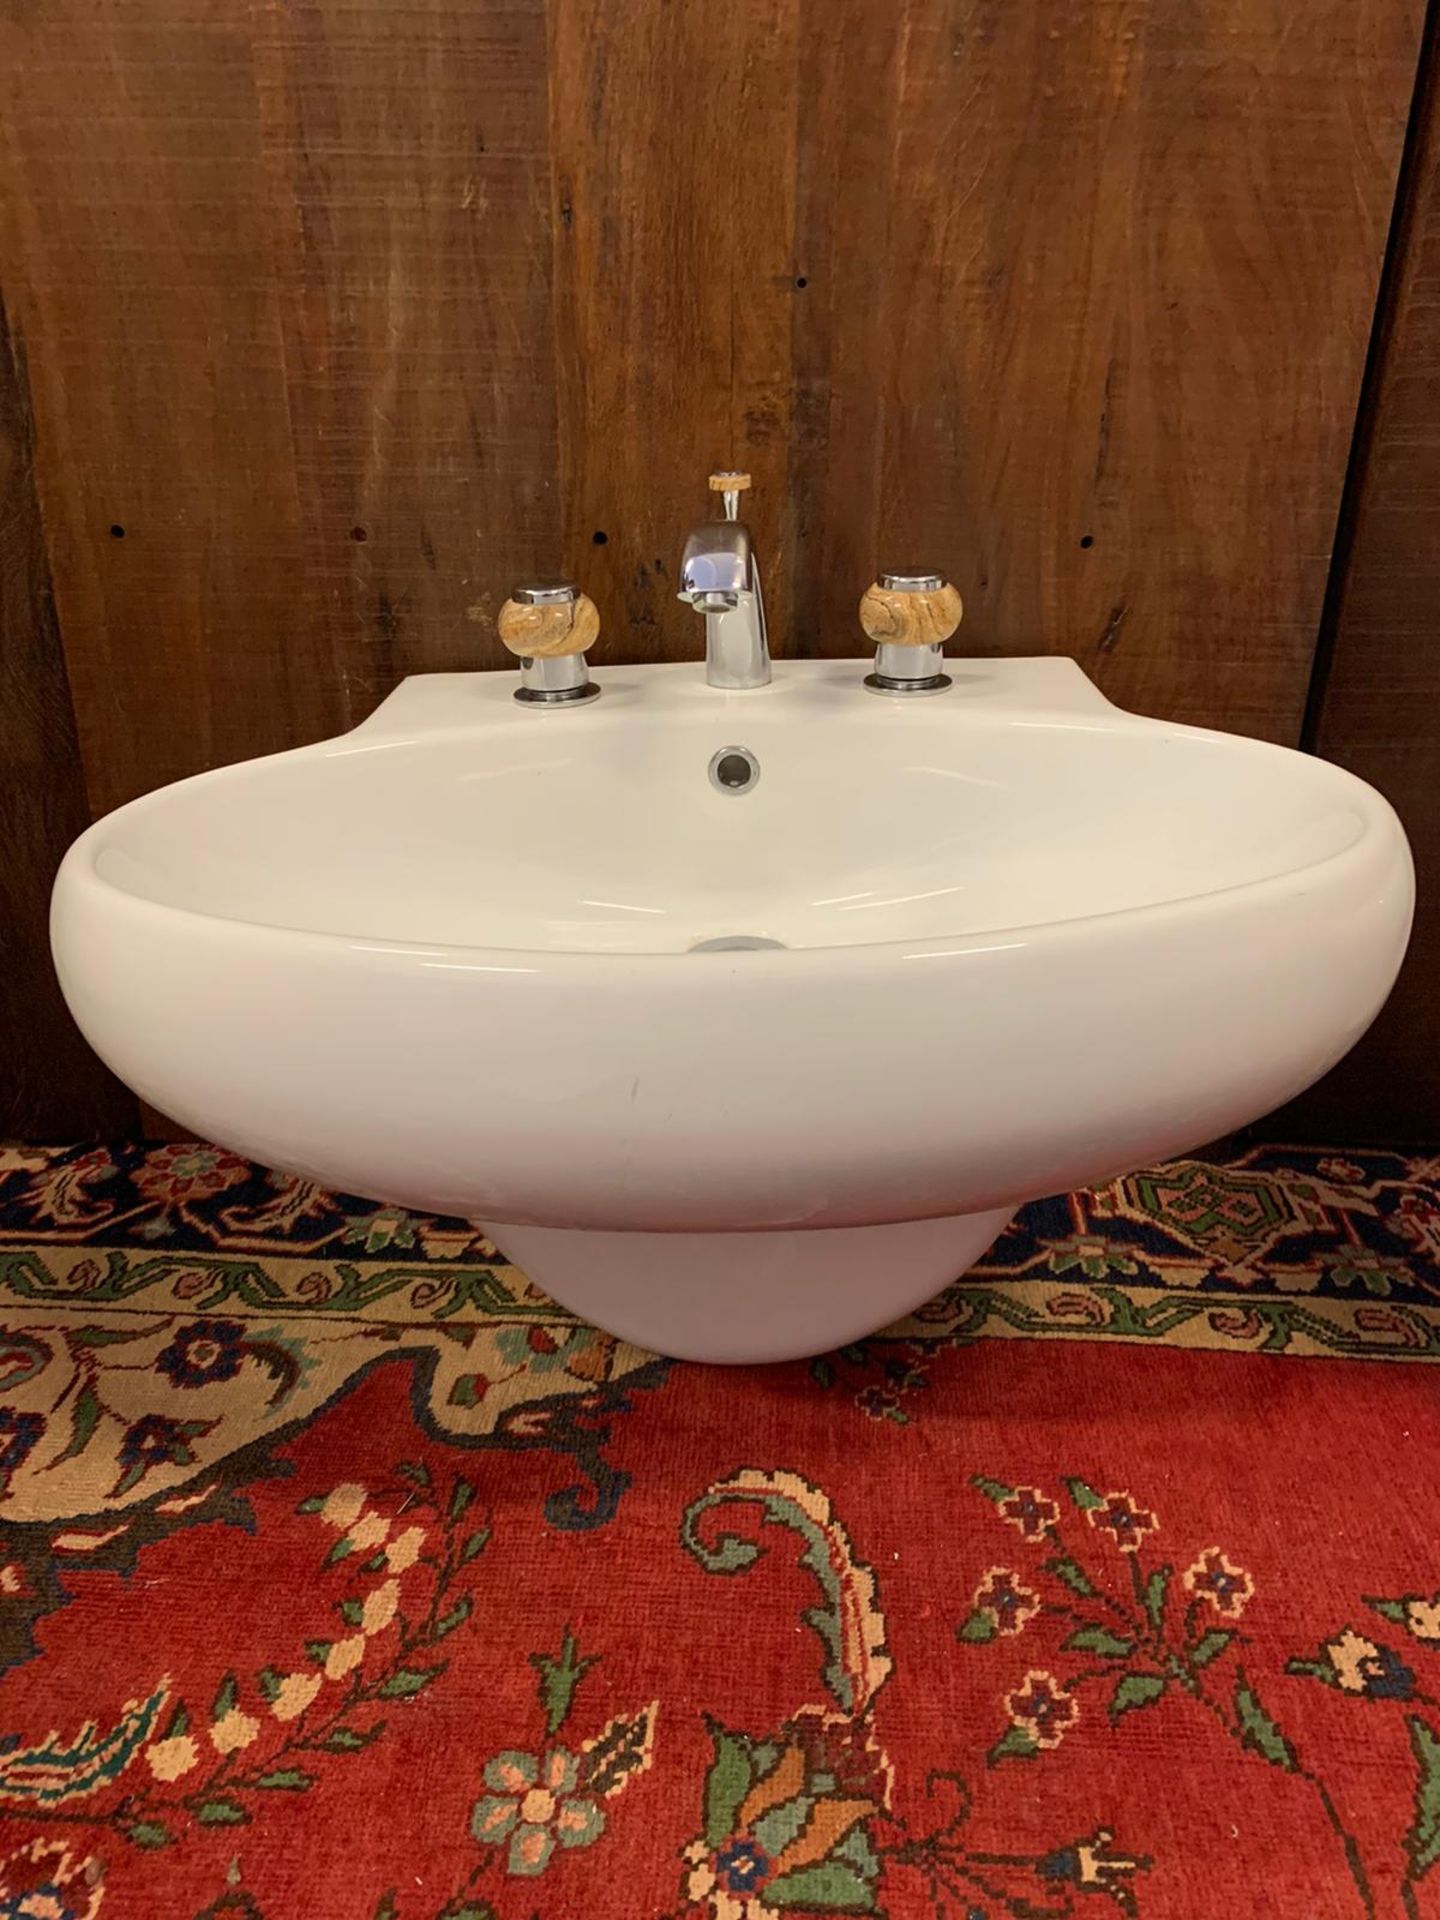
(549, 622)
(910, 610)
(548, 626)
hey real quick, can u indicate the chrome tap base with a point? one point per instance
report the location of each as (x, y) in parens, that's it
(908, 670)
(558, 681)
(560, 697)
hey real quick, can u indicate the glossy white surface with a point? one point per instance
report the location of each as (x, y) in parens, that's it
(1027, 940)
(731, 1297)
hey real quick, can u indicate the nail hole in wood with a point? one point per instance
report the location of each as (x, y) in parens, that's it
(801, 281)
(599, 539)
(1087, 539)
(117, 532)
(358, 534)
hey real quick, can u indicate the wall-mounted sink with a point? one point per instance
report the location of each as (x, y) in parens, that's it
(739, 1061)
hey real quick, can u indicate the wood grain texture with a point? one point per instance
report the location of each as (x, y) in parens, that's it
(136, 225)
(1378, 711)
(673, 141)
(1097, 284)
(51, 1085)
(407, 154)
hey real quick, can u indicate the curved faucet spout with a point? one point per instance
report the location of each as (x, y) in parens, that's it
(720, 578)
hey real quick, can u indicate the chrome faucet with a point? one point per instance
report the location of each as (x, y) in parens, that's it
(720, 577)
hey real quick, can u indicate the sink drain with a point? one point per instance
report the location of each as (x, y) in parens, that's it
(735, 943)
(734, 770)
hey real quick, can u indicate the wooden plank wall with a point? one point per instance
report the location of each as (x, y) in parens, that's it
(1377, 704)
(50, 1082)
(333, 316)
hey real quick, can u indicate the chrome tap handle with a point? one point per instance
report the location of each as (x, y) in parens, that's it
(909, 616)
(548, 625)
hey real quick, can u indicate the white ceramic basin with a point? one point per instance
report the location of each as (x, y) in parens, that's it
(1025, 941)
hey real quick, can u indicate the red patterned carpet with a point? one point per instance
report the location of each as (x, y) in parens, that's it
(343, 1577)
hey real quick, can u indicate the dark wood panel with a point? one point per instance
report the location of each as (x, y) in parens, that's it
(1098, 282)
(1378, 708)
(50, 1082)
(407, 150)
(137, 215)
(673, 140)
(1071, 301)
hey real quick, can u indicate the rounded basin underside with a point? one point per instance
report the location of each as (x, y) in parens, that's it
(1024, 941)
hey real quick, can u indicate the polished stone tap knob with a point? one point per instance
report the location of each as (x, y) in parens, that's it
(909, 616)
(549, 625)
(910, 610)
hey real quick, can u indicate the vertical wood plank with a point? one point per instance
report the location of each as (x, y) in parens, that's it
(1377, 709)
(673, 140)
(136, 214)
(1097, 352)
(407, 151)
(51, 1085)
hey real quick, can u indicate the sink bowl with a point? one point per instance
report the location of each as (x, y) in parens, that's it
(738, 1071)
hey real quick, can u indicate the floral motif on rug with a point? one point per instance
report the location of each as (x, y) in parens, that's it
(342, 1574)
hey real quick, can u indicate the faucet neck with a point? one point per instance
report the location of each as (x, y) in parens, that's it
(720, 577)
(737, 645)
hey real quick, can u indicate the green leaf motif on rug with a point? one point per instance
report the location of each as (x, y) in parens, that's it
(560, 1674)
(1210, 1646)
(1093, 1638)
(995, 1490)
(148, 1833)
(1156, 1589)
(407, 1681)
(1133, 1691)
(979, 1628)
(345, 1739)
(1320, 1670)
(456, 1617)
(726, 1784)
(1422, 1842)
(1073, 1574)
(828, 1887)
(221, 1813)
(1016, 1743)
(1395, 1610)
(1258, 1731)
(1084, 1495)
(83, 1422)
(102, 1336)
